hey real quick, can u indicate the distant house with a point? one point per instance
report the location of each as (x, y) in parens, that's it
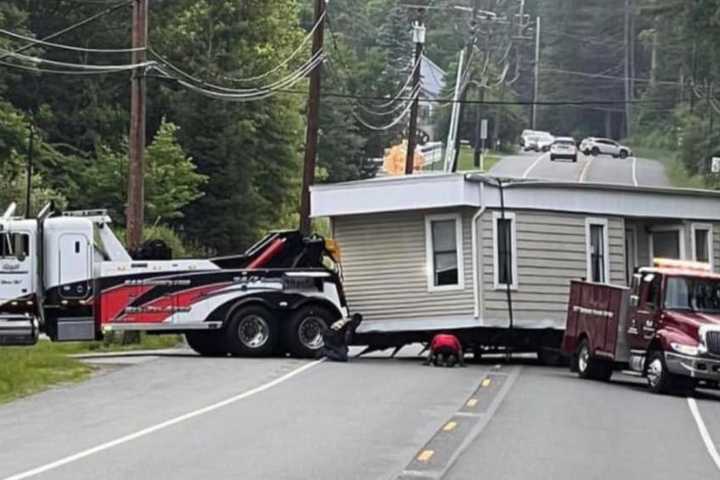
(440, 251)
(433, 83)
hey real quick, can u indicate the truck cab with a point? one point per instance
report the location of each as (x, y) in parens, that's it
(674, 329)
(666, 326)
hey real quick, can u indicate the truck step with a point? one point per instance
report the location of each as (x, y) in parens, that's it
(18, 330)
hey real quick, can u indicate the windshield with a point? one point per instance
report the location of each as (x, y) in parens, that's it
(695, 294)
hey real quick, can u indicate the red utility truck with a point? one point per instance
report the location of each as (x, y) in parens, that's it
(665, 327)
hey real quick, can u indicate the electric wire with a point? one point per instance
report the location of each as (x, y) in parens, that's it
(79, 66)
(284, 62)
(75, 26)
(245, 96)
(310, 64)
(59, 72)
(390, 125)
(397, 107)
(68, 47)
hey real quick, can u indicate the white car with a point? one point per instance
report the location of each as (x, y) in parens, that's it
(604, 146)
(536, 141)
(563, 147)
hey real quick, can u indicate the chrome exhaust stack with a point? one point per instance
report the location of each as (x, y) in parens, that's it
(18, 330)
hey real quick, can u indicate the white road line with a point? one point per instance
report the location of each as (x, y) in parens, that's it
(534, 164)
(161, 426)
(583, 173)
(634, 171)
(707, 439)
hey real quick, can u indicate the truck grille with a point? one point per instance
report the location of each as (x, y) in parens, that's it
(713, 342)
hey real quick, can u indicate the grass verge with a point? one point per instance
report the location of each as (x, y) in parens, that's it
(676, 173)
(27, 370)
(466, 161)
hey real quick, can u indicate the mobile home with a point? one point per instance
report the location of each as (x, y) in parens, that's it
(451, 251)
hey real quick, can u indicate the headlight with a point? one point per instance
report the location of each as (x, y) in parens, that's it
(684, 349)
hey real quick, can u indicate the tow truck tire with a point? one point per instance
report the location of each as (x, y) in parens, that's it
(207, 344)
(252, 332)
(661, 380)
(589, 367)
(303, 333)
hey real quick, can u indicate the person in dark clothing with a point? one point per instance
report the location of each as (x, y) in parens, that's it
(337, 337)
(445, 350)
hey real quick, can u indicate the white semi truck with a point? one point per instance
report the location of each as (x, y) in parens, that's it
(68, 276)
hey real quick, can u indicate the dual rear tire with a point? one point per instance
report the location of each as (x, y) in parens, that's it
(254, 331)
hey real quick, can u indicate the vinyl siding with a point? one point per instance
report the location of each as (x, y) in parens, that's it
(551, 251)
(384, 266)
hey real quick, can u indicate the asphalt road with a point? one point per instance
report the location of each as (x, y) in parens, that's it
(600, 169)
(185, 417)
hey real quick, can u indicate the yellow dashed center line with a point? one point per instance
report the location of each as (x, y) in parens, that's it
(486, 382)
(472, 402)
(425, 456)
(450, 426)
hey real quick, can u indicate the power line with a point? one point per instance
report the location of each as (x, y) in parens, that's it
(390, 125)
(287, 60)
(304, 69)
(61, 72)
(75, 26)
(78, 66)
(67, 47)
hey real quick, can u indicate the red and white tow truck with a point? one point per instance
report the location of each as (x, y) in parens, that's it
(666, 327)
(70, 277)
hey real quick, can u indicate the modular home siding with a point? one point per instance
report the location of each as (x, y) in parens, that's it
(384, 268)
(551, 251)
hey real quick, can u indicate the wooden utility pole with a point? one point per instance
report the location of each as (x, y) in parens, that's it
(536, 85)
(136, 191)
(419, 40)
(313, 120)
(628, 109)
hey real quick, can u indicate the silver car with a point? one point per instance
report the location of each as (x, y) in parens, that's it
(604, 146)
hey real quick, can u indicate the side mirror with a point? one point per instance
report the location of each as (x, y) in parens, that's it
(634, 300)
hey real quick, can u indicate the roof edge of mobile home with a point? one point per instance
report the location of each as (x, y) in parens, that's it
(433, 191)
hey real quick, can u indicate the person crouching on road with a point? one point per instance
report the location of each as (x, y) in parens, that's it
(445, 350)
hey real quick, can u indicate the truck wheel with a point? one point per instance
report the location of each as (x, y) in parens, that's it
(207, 344)
(591, 368)
(252, 332)
(303, 333)
(661, 380)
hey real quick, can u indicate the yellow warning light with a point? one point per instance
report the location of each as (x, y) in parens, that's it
(682, 264)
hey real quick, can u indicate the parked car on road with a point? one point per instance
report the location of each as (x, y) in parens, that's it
(563, 147)
(604, 146)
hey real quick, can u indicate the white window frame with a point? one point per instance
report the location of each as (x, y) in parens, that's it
(703, 226)
(635, 260)
(513, 251)
(670, 228)
(429, 252)
(603, 222)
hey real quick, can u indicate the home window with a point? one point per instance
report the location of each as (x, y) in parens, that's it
(596, 238)
(505, 248)
(702, 242)
(444, 252)
(667, 242)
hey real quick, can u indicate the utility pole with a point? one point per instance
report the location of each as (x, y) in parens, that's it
(536, 85)
(628, 109)
(29, 170)
(481, 94)
(419, 40)
(136, 191)
(313, 120)
(474, 25)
